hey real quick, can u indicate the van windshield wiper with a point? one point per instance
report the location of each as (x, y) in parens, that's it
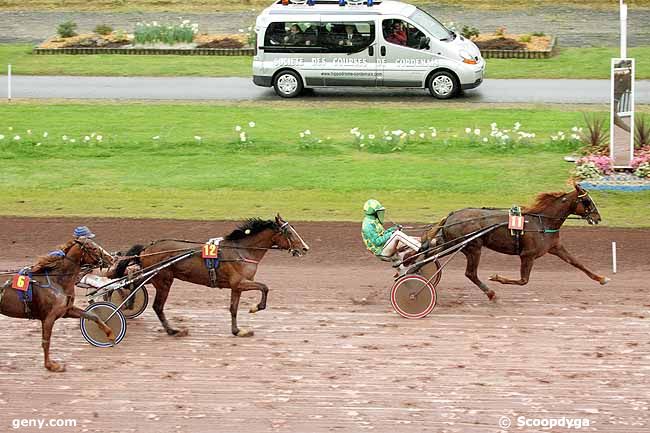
(451, 37)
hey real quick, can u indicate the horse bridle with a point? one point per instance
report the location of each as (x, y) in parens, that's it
(286, 229)
(100, 259)
(589, 205)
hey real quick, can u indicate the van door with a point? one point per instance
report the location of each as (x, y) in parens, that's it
(349, 56)
(405, 56)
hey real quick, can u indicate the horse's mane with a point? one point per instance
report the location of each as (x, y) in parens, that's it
(250, 227)
(542, 201)
(47, 263)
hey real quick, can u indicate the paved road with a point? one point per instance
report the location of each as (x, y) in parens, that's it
(191, 88)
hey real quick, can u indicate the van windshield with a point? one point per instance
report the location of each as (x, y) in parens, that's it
(432, 25)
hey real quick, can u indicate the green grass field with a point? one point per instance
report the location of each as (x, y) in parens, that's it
(227, 5)
(130, 174)
(569, 63)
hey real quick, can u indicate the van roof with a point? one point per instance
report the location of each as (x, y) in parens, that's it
(326, 7)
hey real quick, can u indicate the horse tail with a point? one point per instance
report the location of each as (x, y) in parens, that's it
(132, 256)
(431, 234)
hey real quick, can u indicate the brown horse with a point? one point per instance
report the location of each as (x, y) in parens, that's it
(53, 280)
(239, 255)
(541, 234)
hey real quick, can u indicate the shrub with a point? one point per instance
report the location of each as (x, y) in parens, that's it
(538, 34)
(103, 29)
(500, 31)
(67, 29)
(593, 166)
(641, 131)
(469, 32)
(597, 136)
(170, 34)
(500, 43)
(525, 38)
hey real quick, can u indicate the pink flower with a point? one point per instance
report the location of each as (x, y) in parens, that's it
(602, 163)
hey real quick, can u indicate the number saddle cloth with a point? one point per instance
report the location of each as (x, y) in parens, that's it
(23, 284)
(516, 225)
(210, 255)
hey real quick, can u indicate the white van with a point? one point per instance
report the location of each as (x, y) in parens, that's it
(324, 43)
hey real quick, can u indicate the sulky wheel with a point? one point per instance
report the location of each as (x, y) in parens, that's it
(429, 269)
(113, 318)
(135, 306)
(413, 297)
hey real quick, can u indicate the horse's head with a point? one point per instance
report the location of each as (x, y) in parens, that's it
(585, 206)
(92, 254)
(287, 238)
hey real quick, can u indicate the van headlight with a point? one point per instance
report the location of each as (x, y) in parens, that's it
(467, 58)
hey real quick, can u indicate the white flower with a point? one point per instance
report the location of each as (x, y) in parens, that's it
(2, 137)
(250, 28)
(251, 124)
(29, 132)
(11, 128)
(155, 23)
(197, 137)
(371, 136)
(505, 138)
(86, 138)
(574, 129)
(64, 138)
(93, 135)
(17, 137)
(389, 138)
(45, 134)
(517, 126)
(99, 138)
(302, 135)
(237, 128)
(434, 134)
(307, 132)
(575, 136)
(186, 21)
(386, 132)
(242, 136)
(156, 137)
(554, 137)
(477, 131)
(468, 130)
(493, 125)
(412, 132)
(241, 30)
(38, 144)
(421, 134)
(532, 135)
(353, 130)
(485, 140)
(362, 137)
(397, 132)
(72, 140)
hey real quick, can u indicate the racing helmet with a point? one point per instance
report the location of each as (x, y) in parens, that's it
(373, 207)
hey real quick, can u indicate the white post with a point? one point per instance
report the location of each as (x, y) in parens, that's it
(9, 83)
(614, 257)
(623, 30)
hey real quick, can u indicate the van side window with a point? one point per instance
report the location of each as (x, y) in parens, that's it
(399, 32)
(346, 37)
(291, 34)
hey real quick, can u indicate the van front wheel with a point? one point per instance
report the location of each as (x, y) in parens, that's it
(288, 84)
(443, 85)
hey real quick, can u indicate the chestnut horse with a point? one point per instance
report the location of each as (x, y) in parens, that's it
(541, 234)
(53, 280)
(239, 255)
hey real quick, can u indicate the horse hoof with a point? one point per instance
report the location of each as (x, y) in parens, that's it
(245, 333)
(254, 310)
(491, 295)
(55, 367)
(604, 280)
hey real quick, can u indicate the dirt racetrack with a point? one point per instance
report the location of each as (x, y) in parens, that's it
(329, 354)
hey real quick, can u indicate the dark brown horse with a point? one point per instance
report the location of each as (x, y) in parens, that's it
(54, 278)
(541, 234)
(239, 255)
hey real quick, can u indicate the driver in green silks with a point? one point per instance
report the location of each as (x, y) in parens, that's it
(382, 242)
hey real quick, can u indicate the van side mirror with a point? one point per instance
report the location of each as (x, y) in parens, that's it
(425, 43)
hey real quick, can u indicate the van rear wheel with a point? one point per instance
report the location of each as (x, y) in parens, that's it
(288, 84)
(443, 85)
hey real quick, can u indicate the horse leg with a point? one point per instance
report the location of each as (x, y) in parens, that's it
(78, 313)
(473, 255)
(562, 253)
(246, 285)
(235, 295)
(48, 324)
(526, 267)
(163, 282)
